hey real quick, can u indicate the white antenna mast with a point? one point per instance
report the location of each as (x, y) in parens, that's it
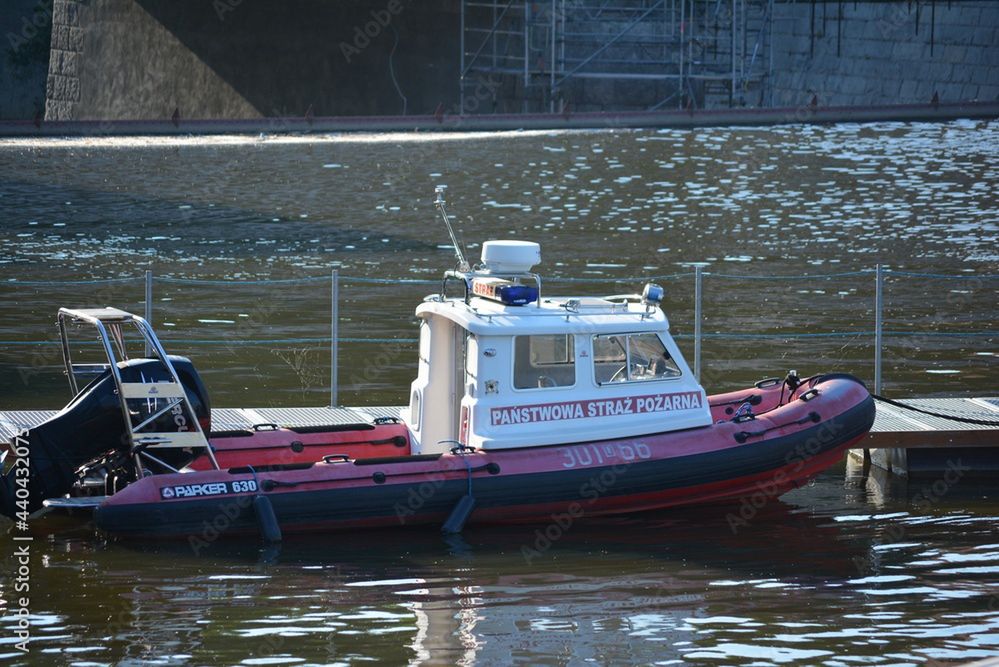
(462, 262)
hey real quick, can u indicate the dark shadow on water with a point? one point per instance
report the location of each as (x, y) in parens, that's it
(779, 540)
(823, 533)
(809, 551)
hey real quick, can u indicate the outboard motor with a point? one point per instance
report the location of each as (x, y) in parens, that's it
(92, 426)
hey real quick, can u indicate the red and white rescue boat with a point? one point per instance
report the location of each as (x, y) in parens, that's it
(525, 407)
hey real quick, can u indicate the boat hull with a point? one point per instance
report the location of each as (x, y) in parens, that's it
(763, 457)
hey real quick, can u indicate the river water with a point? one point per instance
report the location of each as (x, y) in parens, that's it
(790, 221)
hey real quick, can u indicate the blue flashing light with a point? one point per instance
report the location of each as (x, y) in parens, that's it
(517, 295)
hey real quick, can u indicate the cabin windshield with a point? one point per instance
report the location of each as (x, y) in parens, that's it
(631, 358)
(544, 361)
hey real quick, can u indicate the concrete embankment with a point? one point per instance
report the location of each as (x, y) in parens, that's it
(877, 52)
(500, 122)
(327, 63)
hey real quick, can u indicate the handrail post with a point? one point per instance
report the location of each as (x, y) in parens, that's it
(148, 312)
(334, 337)
(878, 324)
(698, 291)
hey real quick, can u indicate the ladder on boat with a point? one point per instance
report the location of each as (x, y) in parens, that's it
(143, 404)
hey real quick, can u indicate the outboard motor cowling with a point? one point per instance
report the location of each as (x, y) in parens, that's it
(92, 425)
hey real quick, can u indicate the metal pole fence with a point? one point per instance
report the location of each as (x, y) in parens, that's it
(881, 274)
(698, 292)
(334, 338)
(149, 305)
(879, 303)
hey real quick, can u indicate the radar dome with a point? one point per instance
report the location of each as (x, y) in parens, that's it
(510, 256)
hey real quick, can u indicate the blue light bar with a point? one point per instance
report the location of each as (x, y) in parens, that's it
(504, 291)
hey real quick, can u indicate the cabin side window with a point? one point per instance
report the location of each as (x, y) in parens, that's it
(544, 361)
(631, 358)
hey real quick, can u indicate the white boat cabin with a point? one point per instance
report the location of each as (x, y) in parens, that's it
(506, 367)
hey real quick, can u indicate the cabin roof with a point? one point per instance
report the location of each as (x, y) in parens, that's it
(555, 315)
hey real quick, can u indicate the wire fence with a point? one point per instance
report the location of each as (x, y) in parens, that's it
(888, 273)
(875, 333)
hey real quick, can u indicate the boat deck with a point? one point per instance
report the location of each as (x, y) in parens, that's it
(13, 422)
(893, 427)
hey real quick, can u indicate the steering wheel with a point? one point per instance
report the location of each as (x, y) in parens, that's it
(545, 382)
(638, 371)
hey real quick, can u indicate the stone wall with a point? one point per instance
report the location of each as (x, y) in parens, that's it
(886, 52)
(150, 59)
(65, 58)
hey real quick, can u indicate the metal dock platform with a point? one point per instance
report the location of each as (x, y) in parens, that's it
(906, 442)
(901, 441)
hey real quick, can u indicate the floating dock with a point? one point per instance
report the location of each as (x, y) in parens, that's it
(907, 442)
(901, 441)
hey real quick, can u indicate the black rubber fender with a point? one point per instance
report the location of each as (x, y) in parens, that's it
(270, 530)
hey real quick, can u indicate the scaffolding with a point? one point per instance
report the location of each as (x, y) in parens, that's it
(612, 54)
